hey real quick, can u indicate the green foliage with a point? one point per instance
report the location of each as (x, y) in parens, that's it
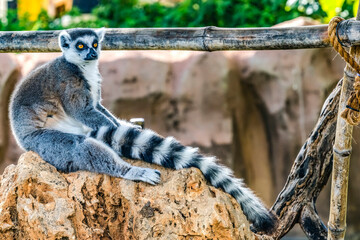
(194, 13)
(311, 8)
(343, 8)
(186, 13)
(13, 23)
(327, 9)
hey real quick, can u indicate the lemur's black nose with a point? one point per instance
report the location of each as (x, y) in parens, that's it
(92, 55)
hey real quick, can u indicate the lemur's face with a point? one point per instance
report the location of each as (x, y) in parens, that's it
(81, 46)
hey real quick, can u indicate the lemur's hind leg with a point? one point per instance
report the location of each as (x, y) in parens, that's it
(70, 152)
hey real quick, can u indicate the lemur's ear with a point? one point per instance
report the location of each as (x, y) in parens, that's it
(64, 40)
(101, 33)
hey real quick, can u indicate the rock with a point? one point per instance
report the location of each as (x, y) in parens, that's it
(299, 21)
(38, 202)
(275, 98)
(9, 75)
(275, 105)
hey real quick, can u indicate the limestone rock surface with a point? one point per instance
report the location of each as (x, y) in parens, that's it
(38, 202)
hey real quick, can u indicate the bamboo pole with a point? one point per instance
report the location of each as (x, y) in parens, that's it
(340, 172)
(341, 153)
(199, 39)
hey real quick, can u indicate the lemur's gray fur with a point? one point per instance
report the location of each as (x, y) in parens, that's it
(56, 112)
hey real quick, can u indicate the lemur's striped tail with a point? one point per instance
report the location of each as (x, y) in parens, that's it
(146, 145)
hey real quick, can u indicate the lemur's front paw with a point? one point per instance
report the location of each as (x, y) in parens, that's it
(148, 175)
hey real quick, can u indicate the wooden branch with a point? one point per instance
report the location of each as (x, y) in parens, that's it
(200, 39)
(309, 174)
(311, 223)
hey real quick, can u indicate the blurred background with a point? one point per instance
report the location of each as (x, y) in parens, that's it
(252, 109)
(58, 14)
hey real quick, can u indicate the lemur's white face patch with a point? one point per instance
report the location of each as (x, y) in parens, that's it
(80, 49)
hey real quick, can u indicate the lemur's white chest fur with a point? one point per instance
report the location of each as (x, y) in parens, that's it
(65, 123)
(93, 77)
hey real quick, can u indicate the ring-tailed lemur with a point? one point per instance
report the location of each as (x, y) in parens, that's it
(56, 112)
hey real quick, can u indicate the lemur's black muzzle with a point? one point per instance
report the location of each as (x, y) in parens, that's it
(92, 55)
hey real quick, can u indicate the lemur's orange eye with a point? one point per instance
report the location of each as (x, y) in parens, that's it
(95, 45)
(80, 46)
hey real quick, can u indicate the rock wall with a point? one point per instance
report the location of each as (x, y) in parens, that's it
(252, 109)
(276, 97)
(9, 75)
(38, 202)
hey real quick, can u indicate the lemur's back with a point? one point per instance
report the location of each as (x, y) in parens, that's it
(37, 101)
(56, 111)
